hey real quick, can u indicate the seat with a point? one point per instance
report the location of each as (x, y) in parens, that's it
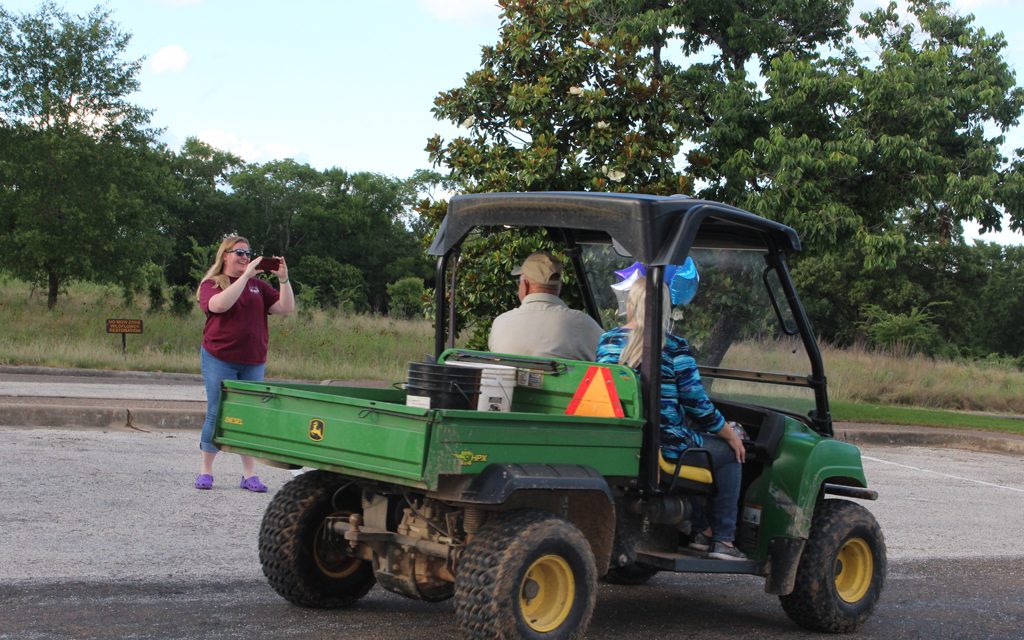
(692, 473)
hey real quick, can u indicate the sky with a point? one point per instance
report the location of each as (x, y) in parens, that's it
(344, 83)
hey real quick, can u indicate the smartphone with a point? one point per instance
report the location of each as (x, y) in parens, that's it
(269, 264)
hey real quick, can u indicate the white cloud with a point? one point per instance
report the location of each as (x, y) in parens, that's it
(246, 149)
(463, 11)
(171, 58)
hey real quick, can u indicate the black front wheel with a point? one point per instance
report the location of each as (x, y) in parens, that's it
(303, 565)
(526, 574)
(841, 572)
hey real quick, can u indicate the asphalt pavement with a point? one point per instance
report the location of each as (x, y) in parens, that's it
(105, 537)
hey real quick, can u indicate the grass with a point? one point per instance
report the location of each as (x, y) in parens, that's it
(881, 414)
(864, 386)
(312, 345)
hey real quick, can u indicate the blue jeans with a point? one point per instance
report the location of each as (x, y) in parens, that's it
(725, 502)
(216, 371)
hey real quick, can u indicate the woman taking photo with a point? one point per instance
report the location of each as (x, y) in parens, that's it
(235, 336)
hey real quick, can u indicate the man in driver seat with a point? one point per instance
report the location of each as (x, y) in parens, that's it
(543, 325)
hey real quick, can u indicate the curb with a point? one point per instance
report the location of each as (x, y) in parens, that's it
(99, 373)
(983, 441)
(20, 415)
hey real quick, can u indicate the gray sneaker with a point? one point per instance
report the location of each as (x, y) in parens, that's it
(700, 542)
(722, 551)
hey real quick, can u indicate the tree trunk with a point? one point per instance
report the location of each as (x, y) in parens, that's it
(53, 283)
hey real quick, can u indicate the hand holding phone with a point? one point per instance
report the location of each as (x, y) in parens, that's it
(269, 264)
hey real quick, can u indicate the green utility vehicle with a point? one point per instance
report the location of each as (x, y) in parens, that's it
(517, 514)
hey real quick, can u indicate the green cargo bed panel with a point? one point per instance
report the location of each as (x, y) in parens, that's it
(352, 428)
(465, 442)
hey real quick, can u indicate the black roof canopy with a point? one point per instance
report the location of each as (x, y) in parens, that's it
(652, 229)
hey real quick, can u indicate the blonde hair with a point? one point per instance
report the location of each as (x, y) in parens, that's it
(215, 272)
(635, 301)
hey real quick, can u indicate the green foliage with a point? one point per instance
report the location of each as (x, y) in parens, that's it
(912, 332)
(154, 283)
(876, 161)
(182, 300)
(336, 285)
(80, 179)
(405, 298)
(199, 207)
(200, 258)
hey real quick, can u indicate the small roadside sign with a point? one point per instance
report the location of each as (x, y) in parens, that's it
(124, 326)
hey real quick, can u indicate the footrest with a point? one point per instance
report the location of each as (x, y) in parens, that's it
(686, 562)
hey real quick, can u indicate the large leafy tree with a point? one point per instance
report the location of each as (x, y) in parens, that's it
(582, 95)
(774, 109)
(81, 180)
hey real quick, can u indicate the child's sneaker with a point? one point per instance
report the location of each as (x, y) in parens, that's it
(722, 551)
(700, 542)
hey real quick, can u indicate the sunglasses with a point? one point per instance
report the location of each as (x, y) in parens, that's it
(240, 252)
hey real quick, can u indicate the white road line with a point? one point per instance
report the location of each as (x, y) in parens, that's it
(947, 475)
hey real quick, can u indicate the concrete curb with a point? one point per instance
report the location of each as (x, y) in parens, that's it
(21, 415)
(984, 441)
(99, 373)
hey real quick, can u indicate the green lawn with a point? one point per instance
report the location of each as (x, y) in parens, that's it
(881, 414)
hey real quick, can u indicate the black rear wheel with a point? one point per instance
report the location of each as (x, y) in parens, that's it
(841, 572)
(302, 564)
(526, 574)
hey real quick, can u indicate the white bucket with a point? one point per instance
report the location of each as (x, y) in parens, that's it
(497, 385)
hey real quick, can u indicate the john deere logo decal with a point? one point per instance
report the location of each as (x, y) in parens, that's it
(468, 457)
(316, 430)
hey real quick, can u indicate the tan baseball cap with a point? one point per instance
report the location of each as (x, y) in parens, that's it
(541, 268)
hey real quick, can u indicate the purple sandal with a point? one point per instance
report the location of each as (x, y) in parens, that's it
(253, 484)
(204, 482)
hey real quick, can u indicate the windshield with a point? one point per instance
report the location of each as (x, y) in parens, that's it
(730, 323)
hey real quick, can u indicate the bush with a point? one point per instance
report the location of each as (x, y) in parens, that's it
(337, 285)
(182, 300)
(405, 298)
(912, 332)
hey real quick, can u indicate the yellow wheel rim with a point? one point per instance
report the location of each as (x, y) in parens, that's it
(333, 562)
(855, 567)
(547, 593)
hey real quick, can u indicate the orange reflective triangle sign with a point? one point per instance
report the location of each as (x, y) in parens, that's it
(596, 396)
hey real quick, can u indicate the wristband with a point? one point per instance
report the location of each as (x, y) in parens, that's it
(283, 282)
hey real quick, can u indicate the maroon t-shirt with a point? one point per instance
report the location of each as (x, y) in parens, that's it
(238, 335)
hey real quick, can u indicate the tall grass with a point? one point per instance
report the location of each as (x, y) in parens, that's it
(318, 345)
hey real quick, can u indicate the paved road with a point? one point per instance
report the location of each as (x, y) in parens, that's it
(104, 537)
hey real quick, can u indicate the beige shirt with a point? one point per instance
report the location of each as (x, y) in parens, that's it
(544, 326)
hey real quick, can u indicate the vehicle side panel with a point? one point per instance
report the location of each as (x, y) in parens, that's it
(787, 490)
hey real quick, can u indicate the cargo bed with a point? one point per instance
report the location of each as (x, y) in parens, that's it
(371, 433)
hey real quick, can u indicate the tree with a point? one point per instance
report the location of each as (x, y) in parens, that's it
(80, 177)
(868, 158)
(568, 99)
(201, 208)
(357, 220)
